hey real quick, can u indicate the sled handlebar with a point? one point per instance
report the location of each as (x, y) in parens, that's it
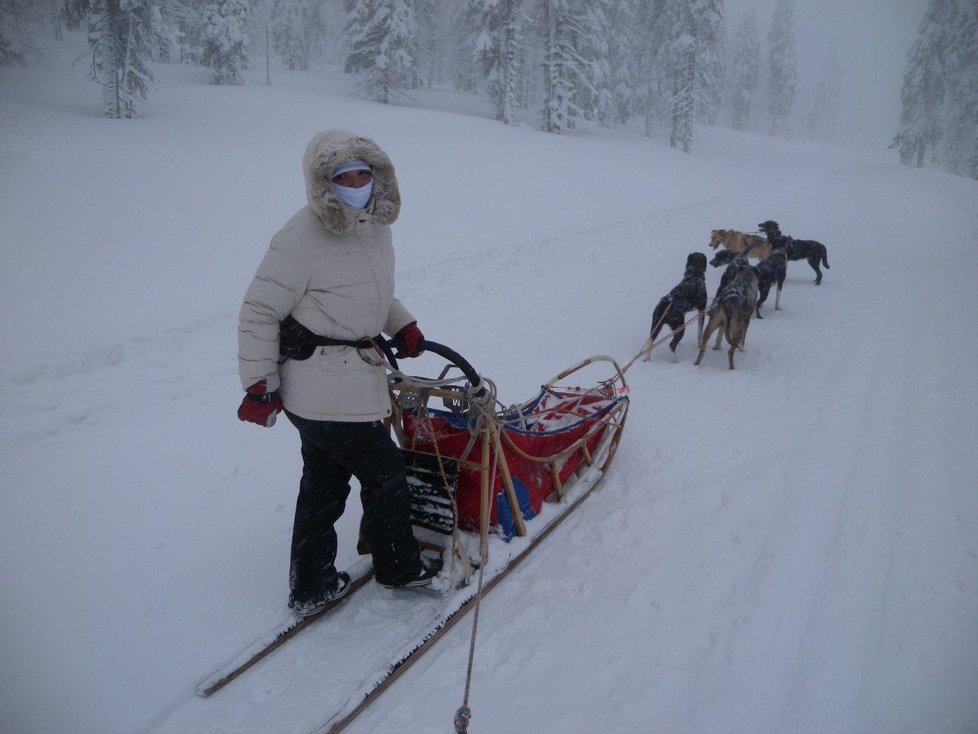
(441, 350)
(455, 358)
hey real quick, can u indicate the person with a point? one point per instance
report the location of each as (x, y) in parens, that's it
(325, 288)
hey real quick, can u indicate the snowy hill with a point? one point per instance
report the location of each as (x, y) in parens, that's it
(789, 547)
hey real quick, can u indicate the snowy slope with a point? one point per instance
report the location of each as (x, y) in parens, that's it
(788, 547)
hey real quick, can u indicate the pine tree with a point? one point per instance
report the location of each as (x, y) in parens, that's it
(428, 18)
(708, 32)
(621, 69)
(18, 33)
(75, 13)
(745, 75)
(693, 65)
(168, 22)
(960, 150)
(502, 24)
(225, 40)
(654, 26)
(466, 28)
(383, 46)
(121, 38)
(597, 98)
(782, 68)
(940, 92)
(566, 72)
(683, 102)
(823, 122)
(291, 29)
(925, 84)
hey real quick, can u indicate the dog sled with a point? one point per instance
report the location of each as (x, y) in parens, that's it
(471, 465)
(488, 484)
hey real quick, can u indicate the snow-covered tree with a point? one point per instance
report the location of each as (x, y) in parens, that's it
(745, 71)
(18, 33)
(74, 13)
(959, 149)
(430, 18)
(596, 100)
(292, 27)
(567, 76)
(497, 49)
(682, 62)
(122, 42)
(182, 27)
(654, 28)
(169, 23)
(466, 30)
(620, 54)
(693, 65)
(823, 122)
(925, 84)
(940, 90)
(224, 40)
(782, 68)
(708, 32)
(383, 46)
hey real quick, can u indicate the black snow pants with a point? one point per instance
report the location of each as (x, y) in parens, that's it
(332, 453)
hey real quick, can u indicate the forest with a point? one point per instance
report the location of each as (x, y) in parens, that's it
(668, 65)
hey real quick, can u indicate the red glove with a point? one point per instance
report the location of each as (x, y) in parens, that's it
(260, 407)
(408, 341)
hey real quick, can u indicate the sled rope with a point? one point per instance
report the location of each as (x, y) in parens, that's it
(484, 406)
(650, 345)
(647, 346)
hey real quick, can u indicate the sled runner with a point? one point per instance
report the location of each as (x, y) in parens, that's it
(488, 484)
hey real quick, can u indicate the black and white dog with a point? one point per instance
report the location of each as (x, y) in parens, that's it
(814, 252)
(731, 312)
(769, 271)
(671, 309)
(736, 263)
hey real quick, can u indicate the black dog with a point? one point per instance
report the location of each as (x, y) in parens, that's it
(769, 271)
(811, 250)
(671, 310)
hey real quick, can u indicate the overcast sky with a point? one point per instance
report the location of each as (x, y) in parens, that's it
(872, 38)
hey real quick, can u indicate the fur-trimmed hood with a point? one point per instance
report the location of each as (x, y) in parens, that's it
(332, 148)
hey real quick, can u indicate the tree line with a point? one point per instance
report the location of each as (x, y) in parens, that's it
(563, 64)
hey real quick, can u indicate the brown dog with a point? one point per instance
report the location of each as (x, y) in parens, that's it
(752, 245)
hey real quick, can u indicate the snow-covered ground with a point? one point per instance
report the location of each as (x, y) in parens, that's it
(789, 547)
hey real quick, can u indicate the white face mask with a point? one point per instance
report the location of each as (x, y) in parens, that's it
(357, 198)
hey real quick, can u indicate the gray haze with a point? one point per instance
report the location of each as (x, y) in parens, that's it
(872, 38)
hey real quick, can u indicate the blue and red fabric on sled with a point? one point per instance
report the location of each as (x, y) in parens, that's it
(544, 443)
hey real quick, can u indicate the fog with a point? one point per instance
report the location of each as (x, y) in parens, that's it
(872, 38)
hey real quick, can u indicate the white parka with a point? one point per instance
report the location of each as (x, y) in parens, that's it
(332, 268)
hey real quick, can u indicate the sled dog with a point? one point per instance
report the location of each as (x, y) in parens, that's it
(688, 295)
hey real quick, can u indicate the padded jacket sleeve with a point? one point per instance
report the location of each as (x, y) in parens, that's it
(278, 285)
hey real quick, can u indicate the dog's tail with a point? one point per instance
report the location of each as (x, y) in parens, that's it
(659, 316)
(825, 257)
(730, 301)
